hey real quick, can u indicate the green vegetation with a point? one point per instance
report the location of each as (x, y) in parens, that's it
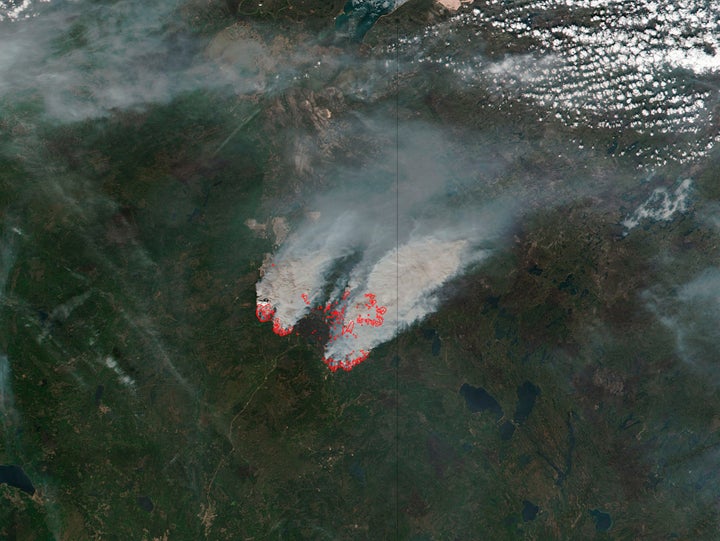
(139, 371)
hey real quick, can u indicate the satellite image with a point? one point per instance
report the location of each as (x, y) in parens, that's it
(366, 269)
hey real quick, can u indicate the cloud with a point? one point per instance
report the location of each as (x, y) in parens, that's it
(649, 68)
(662, 205)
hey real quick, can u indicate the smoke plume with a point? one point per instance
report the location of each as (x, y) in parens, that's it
(385, 241)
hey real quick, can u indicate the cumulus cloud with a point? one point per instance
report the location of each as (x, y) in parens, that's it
(649, 66)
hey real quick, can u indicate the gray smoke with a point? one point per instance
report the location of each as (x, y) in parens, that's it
(691, 312)
(405, 231)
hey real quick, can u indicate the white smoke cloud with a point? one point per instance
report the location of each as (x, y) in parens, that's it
(87, 59)
(373, 262)
(379, 299)
(303, 262)
(691, 312)
(400, 289)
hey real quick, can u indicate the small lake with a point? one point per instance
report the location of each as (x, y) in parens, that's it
(603, 521)
(527, 393)
(478, 399)
(145, 503)
(530, 511)
(431, 334)
(16, 477)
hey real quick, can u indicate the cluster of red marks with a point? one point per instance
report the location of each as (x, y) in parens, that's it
(340, 328)
(334, 314)
(353, 358)
(265, 312)
(380, 311)
(279, 329)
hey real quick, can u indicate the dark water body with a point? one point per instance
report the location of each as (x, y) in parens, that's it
(357, 471)
(527, 393)
(507, 429)
(530, 511)
(359, 16)
(99, 391)
(431, 334)
(603, 521)
(16, 477)
(478, 399)
(145, 503)
(436, 345)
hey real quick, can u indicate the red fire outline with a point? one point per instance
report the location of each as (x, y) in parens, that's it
(334, 314)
